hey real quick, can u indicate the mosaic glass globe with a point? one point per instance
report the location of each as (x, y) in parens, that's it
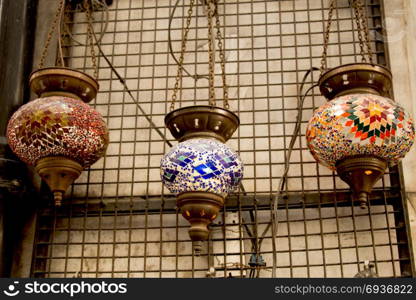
(57, 126)
(204, 165)
(359, 125)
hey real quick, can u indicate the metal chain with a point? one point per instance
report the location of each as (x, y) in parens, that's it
(363, 31)
(222, 60)
(367, 33)
(90, 20)
(56, 18)
(181, 58)
(61, 60)
(326, 36)
(359, 29)
(211, 55)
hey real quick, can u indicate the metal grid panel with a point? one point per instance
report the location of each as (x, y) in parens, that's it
(119, 221)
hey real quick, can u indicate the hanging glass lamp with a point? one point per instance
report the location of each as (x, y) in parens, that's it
(201, 169)
(59, 133)
(360, 131)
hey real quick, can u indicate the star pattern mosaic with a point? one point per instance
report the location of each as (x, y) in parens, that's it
(357, 125)
(201, 165)
(57, 126)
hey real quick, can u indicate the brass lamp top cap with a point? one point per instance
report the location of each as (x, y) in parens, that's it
(202, 121)
(59, 80)
(355, 78)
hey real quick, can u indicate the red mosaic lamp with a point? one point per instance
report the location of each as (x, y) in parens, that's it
(59, 133)
(360, 131)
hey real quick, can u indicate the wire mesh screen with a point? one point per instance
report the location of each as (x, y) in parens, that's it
(119, 221)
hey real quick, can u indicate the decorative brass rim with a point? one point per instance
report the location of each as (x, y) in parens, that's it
(63, 82)
(202, 121)
(355, 78)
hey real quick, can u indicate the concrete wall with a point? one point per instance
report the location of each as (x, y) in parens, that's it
(401, 28)
(104, 247)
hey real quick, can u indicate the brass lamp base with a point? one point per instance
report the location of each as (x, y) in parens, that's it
(59, 173)
(202, 121)
(361, 173)
(200, 209)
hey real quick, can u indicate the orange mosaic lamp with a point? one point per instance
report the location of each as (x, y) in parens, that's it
(59, 133)
(360, 131)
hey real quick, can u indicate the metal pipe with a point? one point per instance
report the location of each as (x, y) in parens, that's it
(16, 21)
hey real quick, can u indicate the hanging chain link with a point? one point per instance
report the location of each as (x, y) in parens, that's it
(326, 36)
(360, 17)
(359, 30)
(367, 33)
(181, 57)
(60, 59)
(211, 13)
(222, 60)
(211, 54)
(55, 22)
(363, 31)
(90, 36)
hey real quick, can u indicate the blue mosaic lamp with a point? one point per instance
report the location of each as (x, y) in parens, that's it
(202, 170)
(203, 165)
(360, 131)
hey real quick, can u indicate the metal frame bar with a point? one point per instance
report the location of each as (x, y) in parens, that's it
(163, 247)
